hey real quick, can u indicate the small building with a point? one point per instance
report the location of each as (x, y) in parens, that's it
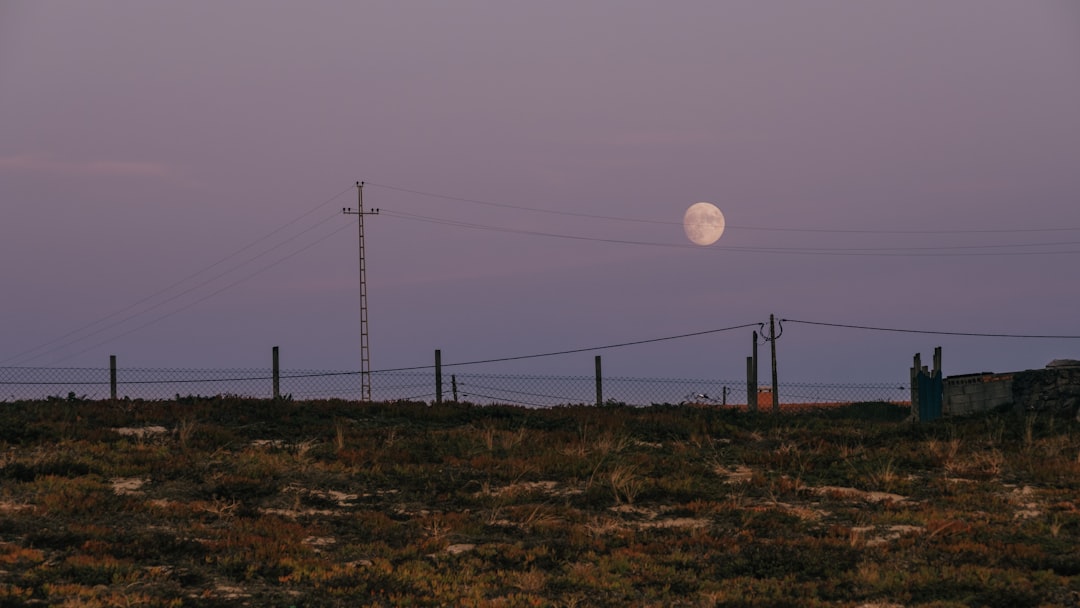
(1054, 388)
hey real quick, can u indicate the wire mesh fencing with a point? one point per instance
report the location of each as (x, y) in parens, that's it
(37, 383)
(78, 383)
(548, 391)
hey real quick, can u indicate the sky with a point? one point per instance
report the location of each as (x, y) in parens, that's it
(172, 177)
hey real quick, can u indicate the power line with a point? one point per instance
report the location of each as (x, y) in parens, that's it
(940, 251)
(522, 207)
(316, 374)
(940, 333)
(730, 226)
(208, 296)
(61, 343)
(178, 295)
(459, 224)
(575, 350)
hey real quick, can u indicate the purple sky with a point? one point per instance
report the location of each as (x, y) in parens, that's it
(142, 142)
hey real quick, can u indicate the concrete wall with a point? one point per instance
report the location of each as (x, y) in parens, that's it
(972, 393)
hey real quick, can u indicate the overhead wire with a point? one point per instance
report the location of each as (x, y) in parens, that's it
(520, 207)
(932, 332)
(179, 295)
(571, 351)
(939, 251)
(208, 296)
(732, 226)
(316, 374)
(62, 341)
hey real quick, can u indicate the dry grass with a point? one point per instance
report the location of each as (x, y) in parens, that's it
(339, 504)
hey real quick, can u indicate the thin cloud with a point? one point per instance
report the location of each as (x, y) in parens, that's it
(34, 163)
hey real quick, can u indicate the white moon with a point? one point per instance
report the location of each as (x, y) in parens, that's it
(703, 223)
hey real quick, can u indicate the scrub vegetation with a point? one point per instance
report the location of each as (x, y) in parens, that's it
(224, 502)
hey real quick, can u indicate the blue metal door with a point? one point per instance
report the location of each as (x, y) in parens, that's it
(930, 393)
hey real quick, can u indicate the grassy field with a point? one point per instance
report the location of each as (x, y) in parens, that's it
(224, 502)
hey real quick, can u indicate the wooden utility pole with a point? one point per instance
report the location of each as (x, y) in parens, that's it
(772, 343)
(365, 350)
(754, 373)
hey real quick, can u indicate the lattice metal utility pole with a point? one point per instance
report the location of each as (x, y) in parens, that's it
(365, 349)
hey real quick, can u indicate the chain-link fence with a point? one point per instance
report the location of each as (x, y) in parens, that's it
(76, 383)
(28, 383)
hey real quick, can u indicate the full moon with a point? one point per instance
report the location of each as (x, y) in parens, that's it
(703, 223)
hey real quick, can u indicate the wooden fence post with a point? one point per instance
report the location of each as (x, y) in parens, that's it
(453, 385)
(277, 376)
(599, 383)
(438, 377)
(112, 377)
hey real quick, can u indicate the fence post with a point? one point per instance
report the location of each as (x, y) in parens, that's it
(754, 371)
(751, 390)
(112, 377)
(599, 383)
(453, 385)
(772, 343)
(438, 377)
(916, 367)
(277, 376)
(724, 400)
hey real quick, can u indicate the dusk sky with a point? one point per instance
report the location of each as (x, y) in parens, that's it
(900, 164)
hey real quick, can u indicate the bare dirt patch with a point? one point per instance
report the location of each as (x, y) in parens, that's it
(550, 488)
(857, 494)
(885, 533)
(141, 432)
(736, 474)
(128, 486)
(1026, 502)
(11, 507)
(642, 517)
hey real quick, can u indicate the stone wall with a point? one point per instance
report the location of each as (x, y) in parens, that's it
(972, 393)
(1054, 389)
